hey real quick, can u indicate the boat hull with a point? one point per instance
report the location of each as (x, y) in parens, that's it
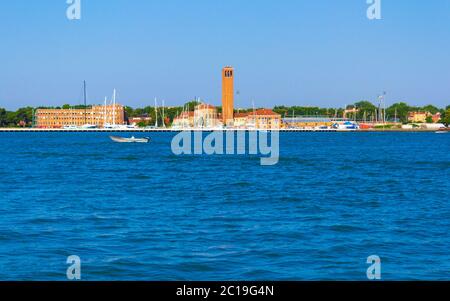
(129, 140)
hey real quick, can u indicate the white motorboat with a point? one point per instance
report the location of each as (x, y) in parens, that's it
(443, 131)
(89, 126)
(130, 140)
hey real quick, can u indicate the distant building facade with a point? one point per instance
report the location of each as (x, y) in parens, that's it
(205, 116)
(436, 117)
(264, 119)
(421, 117)
(139, 120)
(352, 111)
(184, 120)
(306, 122)
(240, 120)
(96, 115)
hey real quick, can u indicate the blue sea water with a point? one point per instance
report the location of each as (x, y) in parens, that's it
(138, 212)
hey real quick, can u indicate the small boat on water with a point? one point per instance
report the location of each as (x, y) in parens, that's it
(130, 140)
(443, 130)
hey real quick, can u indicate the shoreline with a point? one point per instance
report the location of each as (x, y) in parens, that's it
(34, 130)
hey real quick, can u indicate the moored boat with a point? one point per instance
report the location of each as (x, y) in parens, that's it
(89, 126)
(130, 140)
(443, 130)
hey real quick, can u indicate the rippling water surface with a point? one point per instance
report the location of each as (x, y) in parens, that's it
(137, 212)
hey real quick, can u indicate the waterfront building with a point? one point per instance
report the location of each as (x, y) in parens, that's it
(240, 120)
(205, 116)
(227, 95)
(307, 122)
(264, 119)
(421, 117)
(352, 112)
(139, 120)
(184, 120)
(96, 115)
(418, 117)
(436, 117)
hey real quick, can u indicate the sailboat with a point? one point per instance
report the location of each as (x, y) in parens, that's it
(86, 124)
(113, 125)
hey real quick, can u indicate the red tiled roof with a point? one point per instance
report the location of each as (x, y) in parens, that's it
(241, 115)
(205, 106)
(265, 112)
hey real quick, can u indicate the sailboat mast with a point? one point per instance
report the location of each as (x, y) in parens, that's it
(156, 113)
(164, 123)
(114, 107)
(105, 120)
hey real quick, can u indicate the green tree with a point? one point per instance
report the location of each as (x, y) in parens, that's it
(190, 106)
(400, 109)
(446, 117)
(142, 124)
(430, 108)
(366, 109)
(3, 117)
(21, 115)
(129, 111)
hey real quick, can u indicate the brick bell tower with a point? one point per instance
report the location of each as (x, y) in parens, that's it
(228, 95)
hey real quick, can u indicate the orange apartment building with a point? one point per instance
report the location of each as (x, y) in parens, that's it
(96, 115)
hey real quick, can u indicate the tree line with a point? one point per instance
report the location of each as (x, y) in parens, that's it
(21, 117)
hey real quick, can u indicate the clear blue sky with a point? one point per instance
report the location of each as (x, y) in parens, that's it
(291, 52)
